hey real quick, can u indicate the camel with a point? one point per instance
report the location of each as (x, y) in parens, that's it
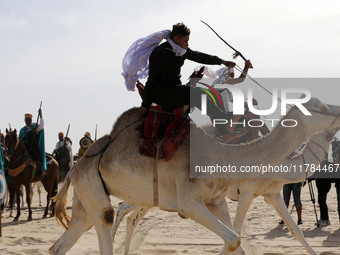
(267, 185)
(114, 166)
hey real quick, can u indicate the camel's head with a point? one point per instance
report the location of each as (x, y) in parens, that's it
(315, 104)
(323, 115)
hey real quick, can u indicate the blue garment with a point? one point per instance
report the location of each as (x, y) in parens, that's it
(41, 142)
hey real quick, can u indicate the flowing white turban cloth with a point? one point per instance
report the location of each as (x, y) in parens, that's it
(136, 60)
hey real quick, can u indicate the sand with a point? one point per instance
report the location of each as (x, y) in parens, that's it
(166, 233)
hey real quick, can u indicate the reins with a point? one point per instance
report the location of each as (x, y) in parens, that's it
(313, 153)
(238, 68)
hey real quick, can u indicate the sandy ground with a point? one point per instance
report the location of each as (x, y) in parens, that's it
(166, 233)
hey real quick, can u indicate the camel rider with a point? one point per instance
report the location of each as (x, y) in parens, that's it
(84, 143)
(226, 75)
(33, 135)
(164, 85)
(63, 149)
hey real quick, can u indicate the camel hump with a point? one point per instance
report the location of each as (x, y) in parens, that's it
(97, 147)
(126, 120)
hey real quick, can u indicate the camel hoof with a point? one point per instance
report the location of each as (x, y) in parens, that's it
(16, 219)
(44, 217)
(29, 219)
(52, 215)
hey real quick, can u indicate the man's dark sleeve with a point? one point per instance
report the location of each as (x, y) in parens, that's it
(202, 58)
(158, 60)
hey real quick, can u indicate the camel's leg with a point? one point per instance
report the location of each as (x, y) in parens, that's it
(244, 202)
(277, 202)
(80, 222)
(221, 211)
(97, 205)
(197, 211)
(131, 224)
(28, 201)
(123, 209)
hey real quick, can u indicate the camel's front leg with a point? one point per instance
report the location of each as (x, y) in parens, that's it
(221, 211)
(123, 209)
(197, 211)
(131, 224)
(244, 202)
(277, 202)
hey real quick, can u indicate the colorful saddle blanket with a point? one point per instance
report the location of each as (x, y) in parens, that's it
(163, 130)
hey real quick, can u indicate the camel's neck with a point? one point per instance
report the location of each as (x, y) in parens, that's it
(248, 160)
(311, 157)
(272, 148)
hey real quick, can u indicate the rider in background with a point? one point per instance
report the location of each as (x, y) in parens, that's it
(64, 149)
(84, 143)
(34, 137)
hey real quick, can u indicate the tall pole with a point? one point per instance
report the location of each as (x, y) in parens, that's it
(38, 114)
(68, 129)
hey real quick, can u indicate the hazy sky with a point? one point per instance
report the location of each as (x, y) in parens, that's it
(68, 53)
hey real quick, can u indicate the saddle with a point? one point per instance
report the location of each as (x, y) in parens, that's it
(36, 164)
(162, 132)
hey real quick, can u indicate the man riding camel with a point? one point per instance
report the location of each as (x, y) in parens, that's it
(226, 75)
(34, 137)
(162, 64)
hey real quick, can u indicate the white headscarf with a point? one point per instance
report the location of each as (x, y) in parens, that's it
(136, 60)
